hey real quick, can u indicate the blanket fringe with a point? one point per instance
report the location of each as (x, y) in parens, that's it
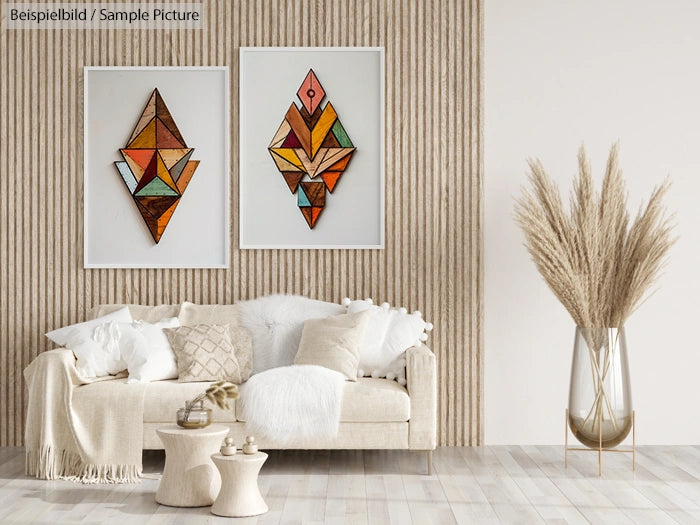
(49, 463)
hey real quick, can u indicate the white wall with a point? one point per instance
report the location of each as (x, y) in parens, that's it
(559, 73)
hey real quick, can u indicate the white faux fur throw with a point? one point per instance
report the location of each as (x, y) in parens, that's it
(293, 404)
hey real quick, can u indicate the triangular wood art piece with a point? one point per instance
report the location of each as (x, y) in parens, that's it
(156, 167)
(311, 142)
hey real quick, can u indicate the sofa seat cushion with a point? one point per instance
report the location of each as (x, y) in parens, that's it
(163, 398)
(371, 400)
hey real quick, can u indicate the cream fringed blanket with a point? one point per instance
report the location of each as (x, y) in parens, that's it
(81, 435)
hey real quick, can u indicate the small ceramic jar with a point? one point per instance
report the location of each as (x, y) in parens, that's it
(250, 447)
(228, 448)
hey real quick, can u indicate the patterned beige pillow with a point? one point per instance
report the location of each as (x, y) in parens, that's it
(204, 353)
(222, 314)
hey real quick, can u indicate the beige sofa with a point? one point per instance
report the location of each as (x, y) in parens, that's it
(376, 413)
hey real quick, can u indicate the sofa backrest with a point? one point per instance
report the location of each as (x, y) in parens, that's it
(150, 314)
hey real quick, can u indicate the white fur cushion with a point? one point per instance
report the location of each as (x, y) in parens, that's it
(333, 342)
(390, 332)
(95, 357)
(276, 322)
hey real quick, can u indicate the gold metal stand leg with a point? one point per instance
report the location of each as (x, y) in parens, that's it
(600, 448)
(600, 443)
(634, 440)
(566, 439)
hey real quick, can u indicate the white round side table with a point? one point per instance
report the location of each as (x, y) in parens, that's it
(189, 477)
(239, 495)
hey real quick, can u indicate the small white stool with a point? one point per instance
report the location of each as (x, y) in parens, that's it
(189, 477)
(239, 495)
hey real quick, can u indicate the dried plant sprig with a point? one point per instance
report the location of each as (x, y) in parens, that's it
(218, 393)
(599, 266)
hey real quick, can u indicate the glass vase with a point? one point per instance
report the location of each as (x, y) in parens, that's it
(600, 397)
(194, 415)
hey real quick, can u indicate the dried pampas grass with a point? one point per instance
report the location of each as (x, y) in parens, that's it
(598, 264)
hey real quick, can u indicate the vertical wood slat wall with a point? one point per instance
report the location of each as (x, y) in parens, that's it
(432, 260)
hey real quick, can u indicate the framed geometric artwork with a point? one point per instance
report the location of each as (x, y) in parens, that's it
(311, 134)
(156, 167)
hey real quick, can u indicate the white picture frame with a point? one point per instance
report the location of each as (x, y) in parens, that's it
(353, 80)
(198, 233)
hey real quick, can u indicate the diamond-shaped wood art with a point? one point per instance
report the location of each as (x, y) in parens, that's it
(311, 143)
(156, 167)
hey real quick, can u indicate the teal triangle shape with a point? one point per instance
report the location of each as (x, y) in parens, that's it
(339, 132)
(156, 188)
(302, 199)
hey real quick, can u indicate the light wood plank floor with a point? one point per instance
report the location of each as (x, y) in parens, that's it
(469, 485)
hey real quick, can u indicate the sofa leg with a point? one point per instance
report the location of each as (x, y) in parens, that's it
(430, 462)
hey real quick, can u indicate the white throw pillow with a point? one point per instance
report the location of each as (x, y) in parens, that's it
(146, 350)
(91, 344)
(276, 322)
(390, 332)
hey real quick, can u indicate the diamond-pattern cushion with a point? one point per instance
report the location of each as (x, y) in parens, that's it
(204, 353)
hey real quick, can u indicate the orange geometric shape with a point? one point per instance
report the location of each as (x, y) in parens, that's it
(172, 156)
(282, 164)
(303, 133)
(332, 157)
(330, 178)
(138, 160)
(292, 179)
(312, 167)
(164, 219)
(290, 155)
(149, 113)
(310, 120)
(164, 174)
(156, 225)
(142, 157)
(145, 139)
(341, 164)
(330, 141)
(156, 206)
(291, 141)
(150, 173)
(150, 220)
(163, 114)
(311, 214)
(164, 138)
(281, 135)
(315, 192)
(186, 175)
(176, 170)
(322, 127)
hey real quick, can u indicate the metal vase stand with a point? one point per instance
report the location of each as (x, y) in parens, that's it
(600, 449)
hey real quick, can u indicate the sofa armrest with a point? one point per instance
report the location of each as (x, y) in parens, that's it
(60, 361)
(421, 383)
